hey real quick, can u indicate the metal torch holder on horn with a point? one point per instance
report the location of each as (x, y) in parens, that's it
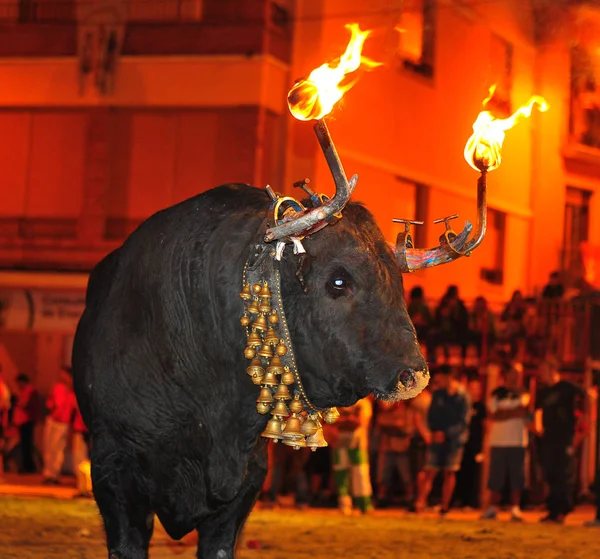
(452, 245)
(301, 222)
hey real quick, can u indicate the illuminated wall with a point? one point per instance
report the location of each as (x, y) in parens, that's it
(400, 124)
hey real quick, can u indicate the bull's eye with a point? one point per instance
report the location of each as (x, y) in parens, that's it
(339, 284)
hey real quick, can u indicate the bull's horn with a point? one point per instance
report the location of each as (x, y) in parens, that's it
(309, 221)
(451, 246)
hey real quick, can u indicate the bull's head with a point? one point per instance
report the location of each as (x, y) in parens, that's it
(351, 291)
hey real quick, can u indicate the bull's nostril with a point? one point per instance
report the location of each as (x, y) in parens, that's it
(407, 378)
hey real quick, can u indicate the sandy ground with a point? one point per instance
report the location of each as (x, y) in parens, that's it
(43, 528)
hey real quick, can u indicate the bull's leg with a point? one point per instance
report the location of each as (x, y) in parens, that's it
(128, 519)
(217, 535)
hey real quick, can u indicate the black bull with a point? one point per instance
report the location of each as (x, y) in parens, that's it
(159, 370)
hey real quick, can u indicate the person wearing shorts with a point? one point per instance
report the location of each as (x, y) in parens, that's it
(448, 420)
(509, 416)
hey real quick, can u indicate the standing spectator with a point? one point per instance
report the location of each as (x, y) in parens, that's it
(80, 454)
(448, 420)
(450, 325)
(509, 416)
(468, 479)
(61, 407)
(554, 289)
(351, 458)
(287, 461)
(513, 321)
(421, 437)
(395, 424)
(482, 327)
(419, 313)
(557, 421)
(4, 410)
(25, 417)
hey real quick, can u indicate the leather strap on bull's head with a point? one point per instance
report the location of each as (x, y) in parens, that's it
(295, 420)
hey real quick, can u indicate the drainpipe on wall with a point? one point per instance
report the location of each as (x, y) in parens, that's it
(536, 137)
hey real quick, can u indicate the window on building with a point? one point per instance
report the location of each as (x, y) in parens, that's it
(576, 228)
(42, 160)
(417, 36)
(584, 118)
(281, 11)
(492, 270)
(415, 206)
(501, 62)
(165, 10)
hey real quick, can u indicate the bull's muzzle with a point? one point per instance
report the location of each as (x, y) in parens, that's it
(410, 383)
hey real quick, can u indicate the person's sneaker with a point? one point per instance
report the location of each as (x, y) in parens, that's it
(516, 515)
(593, 523)
(490, 514)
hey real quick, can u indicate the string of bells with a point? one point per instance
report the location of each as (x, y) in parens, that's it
(291, 424)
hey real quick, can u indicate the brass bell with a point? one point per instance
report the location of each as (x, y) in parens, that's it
(257, 379)
(287, 377)
(281, 409)
(263, 408)
(291, 434)
(281, 350)
(265, 351)
(249, 353)
(273, 429)
(271, 338)
(282, 393)
(331, 415)
(276, 366)
(270, 379)
(317, 440)
(265, 306)
(253, 307)
(254, 340)
(245, 320)
(274, 317)
(309, 427)
(265, 396)
(257, 288)
(260, 323)
(245, 294)
(265, 292)
(296, 405)
(255, 367)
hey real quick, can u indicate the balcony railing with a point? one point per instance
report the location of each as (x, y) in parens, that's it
(30, 11)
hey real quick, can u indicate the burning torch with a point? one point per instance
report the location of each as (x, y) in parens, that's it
(313, 98)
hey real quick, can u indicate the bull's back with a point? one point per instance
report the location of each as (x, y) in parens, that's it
(138, 298)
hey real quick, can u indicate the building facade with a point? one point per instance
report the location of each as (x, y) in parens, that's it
(113, 109)
(110, 111)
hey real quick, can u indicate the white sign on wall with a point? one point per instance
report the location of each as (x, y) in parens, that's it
(41, 310)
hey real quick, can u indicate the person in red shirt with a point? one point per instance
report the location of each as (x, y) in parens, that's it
(61, 407)
(25, 417)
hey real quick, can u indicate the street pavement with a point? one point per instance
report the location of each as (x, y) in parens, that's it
(32, 486)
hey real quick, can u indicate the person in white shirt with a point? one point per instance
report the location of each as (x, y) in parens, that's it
(509, 415)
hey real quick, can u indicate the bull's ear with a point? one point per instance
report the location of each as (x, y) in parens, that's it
(304, 266)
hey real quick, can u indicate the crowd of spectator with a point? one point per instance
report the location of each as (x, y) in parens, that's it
(433, 450)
